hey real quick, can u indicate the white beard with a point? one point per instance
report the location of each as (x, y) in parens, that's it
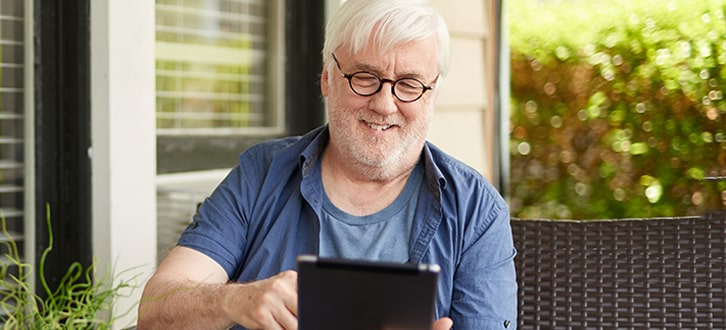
(376, 158)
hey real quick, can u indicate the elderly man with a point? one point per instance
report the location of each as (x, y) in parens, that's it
(365, 186)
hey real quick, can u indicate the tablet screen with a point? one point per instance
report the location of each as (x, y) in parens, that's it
(348, 294)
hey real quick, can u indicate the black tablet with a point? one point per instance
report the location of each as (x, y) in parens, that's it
(351, 294)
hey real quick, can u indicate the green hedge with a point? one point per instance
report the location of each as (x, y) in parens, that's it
(617, 107)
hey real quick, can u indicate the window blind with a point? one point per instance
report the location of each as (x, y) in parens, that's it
(12, 169)
(211, 66)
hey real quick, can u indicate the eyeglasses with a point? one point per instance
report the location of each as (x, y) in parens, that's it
(366, 83)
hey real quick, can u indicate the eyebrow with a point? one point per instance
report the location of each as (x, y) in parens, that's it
(376, 70)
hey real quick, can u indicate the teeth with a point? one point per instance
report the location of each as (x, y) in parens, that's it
(378, 127)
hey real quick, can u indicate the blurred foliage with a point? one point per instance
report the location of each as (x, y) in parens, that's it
(617, 107)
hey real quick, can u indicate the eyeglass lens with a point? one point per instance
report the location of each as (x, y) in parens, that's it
(406, 89)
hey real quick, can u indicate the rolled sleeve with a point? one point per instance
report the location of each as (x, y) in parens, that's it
(485, 286)
(218, 229)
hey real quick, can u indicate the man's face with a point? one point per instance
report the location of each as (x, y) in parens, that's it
(379, 130)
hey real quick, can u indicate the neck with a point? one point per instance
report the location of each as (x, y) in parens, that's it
(355, 190)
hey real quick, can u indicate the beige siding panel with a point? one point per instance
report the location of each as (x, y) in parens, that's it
(465, 83)
(463, 16)
(460, 124)
(461, 135)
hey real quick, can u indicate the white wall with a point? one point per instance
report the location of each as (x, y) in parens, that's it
(123, 143)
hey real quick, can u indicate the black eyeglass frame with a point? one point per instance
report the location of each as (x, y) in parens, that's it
(381, 81)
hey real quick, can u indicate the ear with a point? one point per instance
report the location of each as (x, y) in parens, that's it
(324, 81)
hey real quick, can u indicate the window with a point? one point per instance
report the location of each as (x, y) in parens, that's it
(218, 80)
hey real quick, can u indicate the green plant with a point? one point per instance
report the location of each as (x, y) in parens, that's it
(74, 304)
(617, 107)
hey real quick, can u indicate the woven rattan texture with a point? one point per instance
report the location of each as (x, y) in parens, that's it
(649, 273)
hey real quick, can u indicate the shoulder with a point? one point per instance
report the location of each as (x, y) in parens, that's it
(458, 176)
(286, 150)
(465, 190)
(452, 168)
(265, 152)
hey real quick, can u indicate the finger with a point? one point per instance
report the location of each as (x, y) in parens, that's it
(291, 276)
(295, 282)
(443, 323)
(290, 301)
(285, 312)
(286, 320)
(270, 323)
(291, 304)
(289, 297)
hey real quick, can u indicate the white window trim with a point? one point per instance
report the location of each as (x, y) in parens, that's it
(29, 147)
(123, 154)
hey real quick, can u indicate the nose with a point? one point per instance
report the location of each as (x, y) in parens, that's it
(384, 102)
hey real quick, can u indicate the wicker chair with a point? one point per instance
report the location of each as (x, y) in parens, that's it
(628, 273)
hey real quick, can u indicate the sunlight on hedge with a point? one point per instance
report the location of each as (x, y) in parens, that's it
(617, 107)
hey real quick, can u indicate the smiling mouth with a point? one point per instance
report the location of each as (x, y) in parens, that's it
(379, 127)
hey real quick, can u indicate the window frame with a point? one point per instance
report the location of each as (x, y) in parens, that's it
(62, 133)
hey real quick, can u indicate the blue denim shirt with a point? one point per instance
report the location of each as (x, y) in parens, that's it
(265, 213)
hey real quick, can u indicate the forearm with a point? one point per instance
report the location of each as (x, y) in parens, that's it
(173, 303)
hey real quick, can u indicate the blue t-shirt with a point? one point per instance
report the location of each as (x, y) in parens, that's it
(267, 211)
(382, 236)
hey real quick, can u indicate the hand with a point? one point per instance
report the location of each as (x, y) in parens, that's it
(443, 323)
(266, 304)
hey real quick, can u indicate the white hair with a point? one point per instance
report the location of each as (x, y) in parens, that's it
(389, 23)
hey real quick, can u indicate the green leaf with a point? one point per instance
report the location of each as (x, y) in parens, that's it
(696, 173)
(639, 148)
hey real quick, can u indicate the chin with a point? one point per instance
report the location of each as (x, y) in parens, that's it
(382, 166)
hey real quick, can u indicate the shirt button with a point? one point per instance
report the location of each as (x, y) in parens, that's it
(507, 323)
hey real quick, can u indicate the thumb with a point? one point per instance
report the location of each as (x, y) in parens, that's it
(443, 323)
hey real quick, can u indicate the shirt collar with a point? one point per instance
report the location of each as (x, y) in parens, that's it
(314, 150)
(434, 176)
